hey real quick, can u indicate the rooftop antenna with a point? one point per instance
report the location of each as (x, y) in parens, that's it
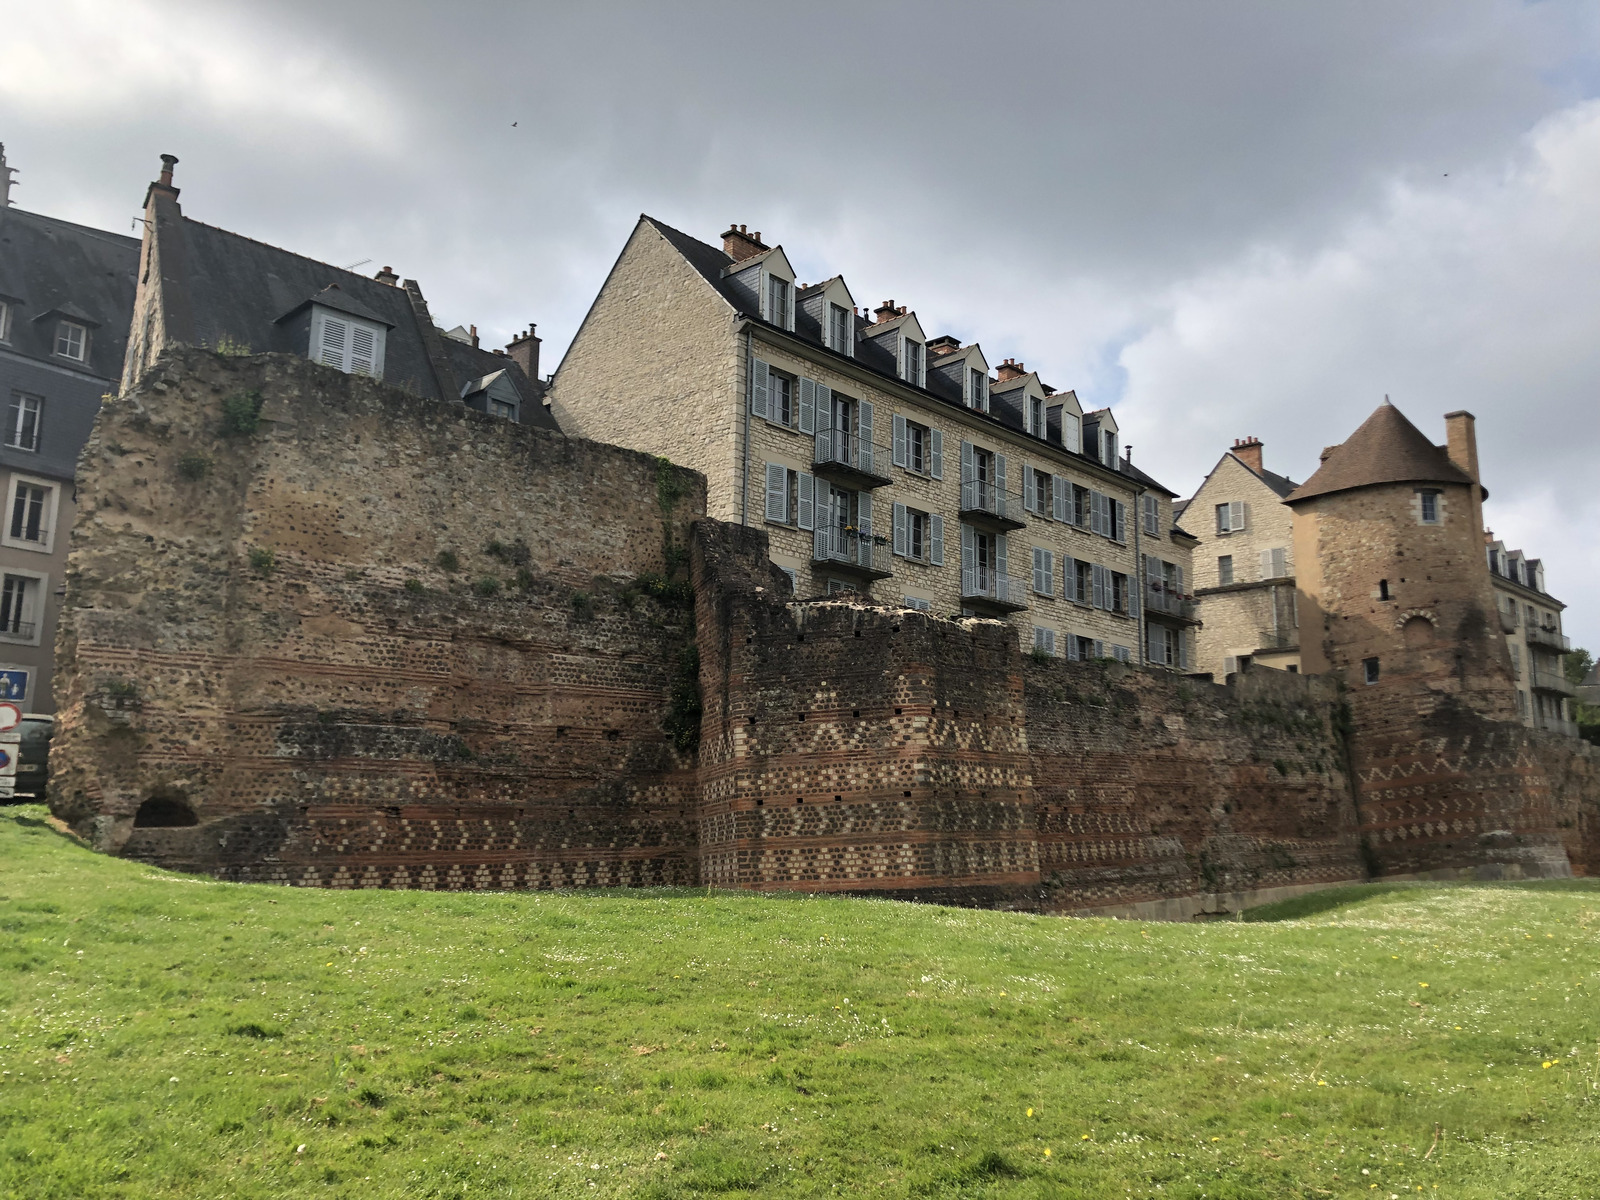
(354, 265)
(5, 178)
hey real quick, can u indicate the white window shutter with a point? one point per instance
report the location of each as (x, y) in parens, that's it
(1235, 515)
(968, 472)
(1039, 577)
(1000, 477)
(1266, 564)
(1071, 433)
(1029, 491)
(969, 558)
(1000, 557)
(758, 387)
(864, 427)
(331, 345)
(1072, 648)
(1098, 583)
(864, 517)
(1119, 526)
(936, 540)
(1230, 664)
(1177, 580)
(1050, 642)
(936, 454)
(1099, 648)
(1058, 492)
(901, 537)
(777, 493)
(808, 404)
(363, 349)
(806, 495)
(898, 450)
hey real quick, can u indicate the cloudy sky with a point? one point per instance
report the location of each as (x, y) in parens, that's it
(1222, 218)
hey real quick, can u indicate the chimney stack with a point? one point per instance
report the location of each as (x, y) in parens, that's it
(738, 243)
(387, 276)
(940, 346)
(524, 351)
(5, 178)
(168, 161)
(1011, 369)
(1248, 451)
(1462, 441)
(886, 312)
(473, 331)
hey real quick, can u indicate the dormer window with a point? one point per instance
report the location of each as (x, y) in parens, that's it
(780, 301)
(1033, 412)
(841, 329)
(347, 343)
(1109, 454)
(977, 389)
(72, 340)
(913, 362)
(1071, 430)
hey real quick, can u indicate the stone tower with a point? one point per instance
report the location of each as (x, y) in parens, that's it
(1395, 599)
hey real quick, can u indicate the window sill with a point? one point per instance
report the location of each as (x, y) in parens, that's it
(18, 544)
(16, 639)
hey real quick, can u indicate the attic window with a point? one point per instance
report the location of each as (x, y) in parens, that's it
(780, 301)
(977, 389)
(913, 361)
(1035, 415)
(72, 340)
(841, 332)
(347, 343)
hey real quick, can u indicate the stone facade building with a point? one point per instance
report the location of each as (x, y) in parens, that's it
(879, 459)
(66, 296)
(204, 286)
(1244, 580)
(1530, 618)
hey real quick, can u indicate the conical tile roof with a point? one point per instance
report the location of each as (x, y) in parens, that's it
(1386, 449)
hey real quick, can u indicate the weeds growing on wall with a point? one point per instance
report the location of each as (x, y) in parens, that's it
(241, 414)
(263, 560)
(682, 721)
(194, 466)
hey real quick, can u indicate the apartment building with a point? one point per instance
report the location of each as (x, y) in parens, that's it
(66, 294)
(879, 459)
(1530, 618)
(1244, 584)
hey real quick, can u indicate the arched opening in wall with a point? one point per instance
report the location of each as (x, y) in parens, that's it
(164, 810)
(1418, 631)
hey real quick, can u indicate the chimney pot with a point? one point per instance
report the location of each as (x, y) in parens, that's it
(524, 351)
(388, 277)
(1011, 369)
(886, 311)
(738, 243)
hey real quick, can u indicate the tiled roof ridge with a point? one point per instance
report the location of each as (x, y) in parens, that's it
(129, 242)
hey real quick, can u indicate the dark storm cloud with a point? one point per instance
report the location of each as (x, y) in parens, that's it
(1228, 218)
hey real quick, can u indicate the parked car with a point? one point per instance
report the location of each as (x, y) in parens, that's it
(33, 759)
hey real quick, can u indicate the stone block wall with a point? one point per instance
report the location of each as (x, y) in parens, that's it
(376, 641)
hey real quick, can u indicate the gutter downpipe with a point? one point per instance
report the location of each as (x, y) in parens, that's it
(744, 480)
(1138, 571)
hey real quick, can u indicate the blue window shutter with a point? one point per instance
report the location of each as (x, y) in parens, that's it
(1000, 475)
(969, 558)
(1058, 491)
(1000, 557)
(777, 493)
(806, 517)
(1049, 572)
(1029, 488)
(899, 447)
(808, 404)
(936, 540)
(968, 473)
(864, 517)
(865, 427)
(901, 540)
(1119, 528)
(936, 454)
(1072, 648)
(758, 387)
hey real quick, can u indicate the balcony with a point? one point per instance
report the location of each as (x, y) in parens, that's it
(17, 629)
(1508, 620)
(984, 589)
(985, 506)
(1173, 607)
(848, 552)
(1548, 637)
(849, 460)
(1277, 639)
(1551, 682)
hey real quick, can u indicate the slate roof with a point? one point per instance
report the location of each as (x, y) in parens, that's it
(709, 262)
(243, 290)
(53, 266)
(1387, 448)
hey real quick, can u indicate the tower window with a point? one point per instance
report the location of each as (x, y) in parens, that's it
(1429, 507)
(1383, 589)
(1369, 667)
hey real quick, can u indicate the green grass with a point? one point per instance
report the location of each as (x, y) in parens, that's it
(169, 1036)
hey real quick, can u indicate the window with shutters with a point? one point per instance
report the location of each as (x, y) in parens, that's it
(1275, 562)
(918, 535)
(22, 596)
(30, 523)
(1044, 641)
(1044, 571)
(841, 329)
(977, 389)
(22, 421)
(72, 340)
(1122, 654)
(917, 603)
(780, 397)
(347, 343)
(1120, 598)
(1079, 506)
(791, 497)
(1040, 495)
(1231, 517)
(780, 302)
(1224, 570)
(1078, 579)
(918, 448)
(913, 357)
(1152, 514)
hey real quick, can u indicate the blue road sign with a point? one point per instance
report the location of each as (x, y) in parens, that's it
(5, 758)
(13, 685)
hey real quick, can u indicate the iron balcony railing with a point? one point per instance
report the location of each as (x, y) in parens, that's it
(1545, 635)
(981, 496)
(1550, 681)
(1277, 639)
(836, 448)
(21, 629)
(1161, 599)
(1508, 621)
(981, 583)
(851, 548)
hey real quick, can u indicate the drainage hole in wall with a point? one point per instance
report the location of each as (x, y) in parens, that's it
(561, 731)
(898, 711)
(836, 799)
(908, 795)
(752, 720)
(855, 712)
(799, 799)
(759, 802)
(613, 734)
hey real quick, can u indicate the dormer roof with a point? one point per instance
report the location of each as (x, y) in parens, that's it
(1103, 418)
(335, 297)
(773, 260)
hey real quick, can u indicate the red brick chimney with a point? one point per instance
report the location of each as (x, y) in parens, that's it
(940, 346)
(738, 243)
(1248, 451)
(887, 312)
(1011, 369)
(524, 351)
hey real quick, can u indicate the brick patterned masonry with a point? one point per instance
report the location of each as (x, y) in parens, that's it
(380, 642)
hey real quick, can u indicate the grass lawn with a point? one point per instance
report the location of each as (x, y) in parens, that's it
(162, 1035)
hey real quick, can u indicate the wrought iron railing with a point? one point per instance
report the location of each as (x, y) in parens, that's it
(1548, 636)
(982, 496)
(850, 547)
(836, 448)
(981, 583)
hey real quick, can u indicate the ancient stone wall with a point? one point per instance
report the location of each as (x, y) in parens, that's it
(373, 640)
